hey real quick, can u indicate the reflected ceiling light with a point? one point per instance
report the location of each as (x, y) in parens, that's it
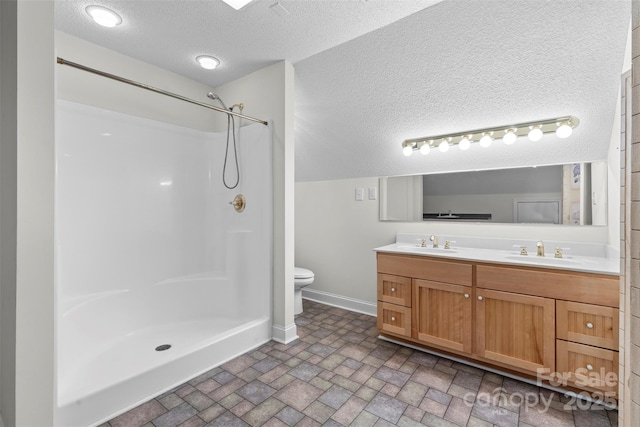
(564, 130)
(103, 16)
(465, 142)
(485, 140)
(535, 134)
(237, 4)
(562, 126)
(208, 62)
(510, 136)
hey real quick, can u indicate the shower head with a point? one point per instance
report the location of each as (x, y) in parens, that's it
(215, 97)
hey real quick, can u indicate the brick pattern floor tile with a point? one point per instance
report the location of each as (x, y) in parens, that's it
(339, 373)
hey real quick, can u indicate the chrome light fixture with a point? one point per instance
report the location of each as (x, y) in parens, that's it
(562, 126)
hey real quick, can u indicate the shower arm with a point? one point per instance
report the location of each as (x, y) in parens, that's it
(156, 90)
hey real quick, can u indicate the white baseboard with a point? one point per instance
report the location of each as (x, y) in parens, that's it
(340, 301)
(284, 334)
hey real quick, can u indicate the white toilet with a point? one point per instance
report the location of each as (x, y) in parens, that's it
(303, 277)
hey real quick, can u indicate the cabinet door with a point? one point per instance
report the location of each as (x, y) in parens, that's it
(517, 330)
(442, 314)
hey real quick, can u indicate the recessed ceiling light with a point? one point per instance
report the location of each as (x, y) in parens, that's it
(237, 4)
(103, 16)
(208, 62)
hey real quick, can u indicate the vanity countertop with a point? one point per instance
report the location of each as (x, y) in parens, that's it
(577, 256)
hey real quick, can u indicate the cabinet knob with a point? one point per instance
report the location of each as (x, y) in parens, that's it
(590, 367)
(589, 325)
(393, 289)
(480, 298)
(466, 295)
(393, 319)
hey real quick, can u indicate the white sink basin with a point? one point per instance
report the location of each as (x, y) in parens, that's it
(428, 249)
(543, 260)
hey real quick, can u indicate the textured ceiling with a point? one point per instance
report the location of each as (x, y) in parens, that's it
(370, 74)
(456, 66)
(171, 33)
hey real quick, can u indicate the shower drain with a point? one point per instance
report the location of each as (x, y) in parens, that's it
(163, 347)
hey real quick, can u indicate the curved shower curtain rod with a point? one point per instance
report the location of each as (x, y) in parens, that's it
(154, 89)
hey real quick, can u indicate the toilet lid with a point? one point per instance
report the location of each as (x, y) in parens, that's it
(303, 273)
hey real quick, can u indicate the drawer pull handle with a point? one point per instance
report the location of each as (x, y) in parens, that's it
(589, 325)
(393, 289)
(589, 367)
(480, 298)
(466, 295)
(393, 319)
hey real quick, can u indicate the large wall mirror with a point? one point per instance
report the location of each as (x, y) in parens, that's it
(560, 194)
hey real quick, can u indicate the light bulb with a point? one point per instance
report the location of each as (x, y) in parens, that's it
(425, 149)
(535, 134)
(208, 62)
(444, 146)
(509, 137)
(407, 150)
(486, 140)
(103, 16)
(465, 143)
(564, 130)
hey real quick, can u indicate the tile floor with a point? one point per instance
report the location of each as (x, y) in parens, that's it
(339, 374)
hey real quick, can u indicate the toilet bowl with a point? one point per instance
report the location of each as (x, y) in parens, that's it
(303, 277)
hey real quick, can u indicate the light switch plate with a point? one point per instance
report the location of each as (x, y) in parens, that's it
(359, 194)
(373, 193)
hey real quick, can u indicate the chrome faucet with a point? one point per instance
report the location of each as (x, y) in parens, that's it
(434, 239)
(540, 247)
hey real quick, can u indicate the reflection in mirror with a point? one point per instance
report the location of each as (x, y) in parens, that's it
(561, 194)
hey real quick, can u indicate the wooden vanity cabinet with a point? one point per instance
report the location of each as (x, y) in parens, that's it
(526, 319)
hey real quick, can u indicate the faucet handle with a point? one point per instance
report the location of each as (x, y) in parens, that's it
(422, 243)
(523, 249)
(558, 252)
(447, 243)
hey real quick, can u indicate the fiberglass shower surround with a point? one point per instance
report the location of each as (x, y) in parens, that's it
(149, 253)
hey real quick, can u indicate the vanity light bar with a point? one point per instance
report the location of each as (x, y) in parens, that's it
(562, 126)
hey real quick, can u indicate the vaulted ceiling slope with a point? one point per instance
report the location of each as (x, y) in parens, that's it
(456, 66)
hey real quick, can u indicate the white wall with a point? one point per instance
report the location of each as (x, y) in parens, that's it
(335, 235)
(268, 94)
(26, 224)
(86, 88)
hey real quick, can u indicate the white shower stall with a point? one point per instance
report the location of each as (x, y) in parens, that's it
(158, 278)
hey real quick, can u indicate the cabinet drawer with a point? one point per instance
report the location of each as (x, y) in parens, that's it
(587, 366)
(394, 289)
(587, 324)
(395, 319)
(421, 267)
(571, 286)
